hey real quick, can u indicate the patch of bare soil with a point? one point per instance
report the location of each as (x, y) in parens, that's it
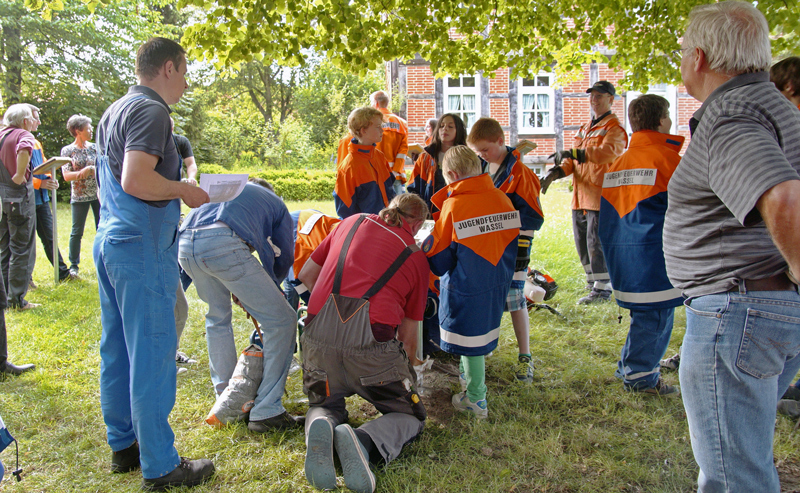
(437, 391)
(789, 474)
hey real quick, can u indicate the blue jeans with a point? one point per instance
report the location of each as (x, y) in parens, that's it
(220, 263)
(644, 347)
(79, 212)
(740, 353)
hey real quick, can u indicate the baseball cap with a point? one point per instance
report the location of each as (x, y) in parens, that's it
(603, 86)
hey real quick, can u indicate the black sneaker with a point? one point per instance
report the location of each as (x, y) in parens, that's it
(188, 473)
(792, 393)
(596, 296)
(789, 408)
(276, 423)
(125, 460)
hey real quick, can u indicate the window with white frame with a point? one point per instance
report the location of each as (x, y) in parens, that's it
(535, 109)
(664, 90)
(462, 97)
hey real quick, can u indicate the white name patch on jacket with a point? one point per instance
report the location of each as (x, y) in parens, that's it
(487, 224)
(645, 176)
(308, 226)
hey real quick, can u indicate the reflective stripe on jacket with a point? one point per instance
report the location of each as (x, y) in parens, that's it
(634, 203)
(473, 248)
(603, 143)
(422, 180)
(394, 144)
(522, 187)
(312, 227)
(363, 181)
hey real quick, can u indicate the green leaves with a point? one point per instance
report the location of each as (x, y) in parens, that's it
(487, 34)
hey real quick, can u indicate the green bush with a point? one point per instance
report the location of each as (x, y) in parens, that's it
(291, 184)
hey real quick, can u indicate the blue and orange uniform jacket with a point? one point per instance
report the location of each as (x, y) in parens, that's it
(522, 187)
(632, 209)
(363, 181)
(37, 158)
(422, 180)
(473, 249)
(310, 229)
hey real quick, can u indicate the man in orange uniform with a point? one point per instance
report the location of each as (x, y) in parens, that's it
(597, 144)
(395, 139)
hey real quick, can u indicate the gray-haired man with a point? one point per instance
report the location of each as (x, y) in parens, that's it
(731, 243)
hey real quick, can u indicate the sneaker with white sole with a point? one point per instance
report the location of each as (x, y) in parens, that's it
(319, 454)
(182, 359)
(358, 476)
(524, 369)
(462, 403)
(671, 363)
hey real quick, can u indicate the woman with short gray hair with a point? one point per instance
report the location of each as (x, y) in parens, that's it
(18, 218)
(81, 175)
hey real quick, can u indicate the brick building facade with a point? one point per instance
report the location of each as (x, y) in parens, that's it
(533, 109)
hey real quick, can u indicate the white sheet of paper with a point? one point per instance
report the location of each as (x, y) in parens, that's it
(222, 188)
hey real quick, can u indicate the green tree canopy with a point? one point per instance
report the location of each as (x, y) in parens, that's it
(72, 59)
(525, 35)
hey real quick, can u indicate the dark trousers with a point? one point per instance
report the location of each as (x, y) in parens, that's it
(17, 247)
(44, 229)
(587, 242)
(79, 212)
(3, 336)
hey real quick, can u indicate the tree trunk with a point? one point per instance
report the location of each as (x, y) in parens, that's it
(11, 62)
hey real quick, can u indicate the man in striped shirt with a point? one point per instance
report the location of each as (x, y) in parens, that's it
(731, 244)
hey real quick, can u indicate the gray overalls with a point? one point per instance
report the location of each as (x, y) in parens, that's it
(17, 233)
(341, 358)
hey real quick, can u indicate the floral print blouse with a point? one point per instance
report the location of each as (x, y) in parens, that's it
(86, 189)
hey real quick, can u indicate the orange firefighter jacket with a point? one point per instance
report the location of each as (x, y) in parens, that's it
(604, 142)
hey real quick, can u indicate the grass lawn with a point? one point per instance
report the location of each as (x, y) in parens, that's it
(573, 430)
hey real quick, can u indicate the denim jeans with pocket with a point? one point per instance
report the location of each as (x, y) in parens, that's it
(220, 263)
(739, 355)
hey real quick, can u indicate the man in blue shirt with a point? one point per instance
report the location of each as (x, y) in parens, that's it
(216, 248)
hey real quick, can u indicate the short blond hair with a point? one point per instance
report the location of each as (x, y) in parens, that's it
(487, 129)
(360, 118)
(463, 161)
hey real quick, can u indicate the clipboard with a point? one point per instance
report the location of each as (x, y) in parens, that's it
(51, 165)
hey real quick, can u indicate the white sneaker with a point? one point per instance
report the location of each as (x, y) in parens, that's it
(183, 359)
(462, 403)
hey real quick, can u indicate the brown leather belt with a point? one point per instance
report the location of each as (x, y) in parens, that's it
(778, 282)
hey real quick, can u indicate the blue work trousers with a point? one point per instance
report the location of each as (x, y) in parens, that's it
(136, 256)
(644, 347)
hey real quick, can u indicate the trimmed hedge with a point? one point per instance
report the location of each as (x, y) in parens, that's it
(292, 184)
